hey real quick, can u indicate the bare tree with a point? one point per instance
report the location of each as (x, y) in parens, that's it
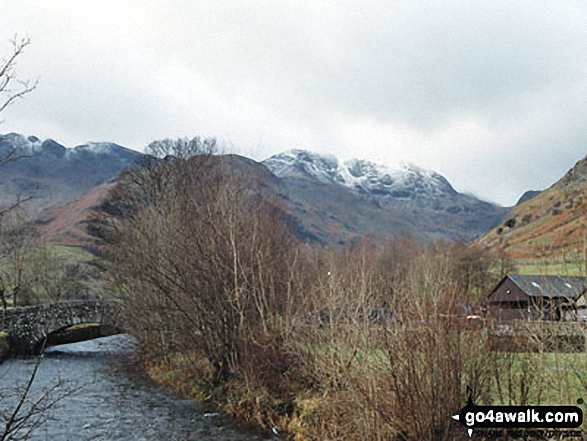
(200, 253)
(182, 148)
(12, 87)
(18, 242)
(16, 235)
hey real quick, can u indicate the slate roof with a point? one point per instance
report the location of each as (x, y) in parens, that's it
(551, 286)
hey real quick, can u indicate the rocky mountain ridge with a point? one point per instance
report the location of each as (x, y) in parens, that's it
(52, 174)
(328, 201)
(362, 176)
(416, 201)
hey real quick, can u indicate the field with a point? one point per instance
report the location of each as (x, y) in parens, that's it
(553, 267)
(50, 273)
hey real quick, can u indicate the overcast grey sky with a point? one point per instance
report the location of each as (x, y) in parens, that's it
(492, 94)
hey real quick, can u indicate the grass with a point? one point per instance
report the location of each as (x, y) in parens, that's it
(551, 268)
(62, 254)
(555, 378)
(71, 255)
(552, 379)
(93, 284)
(566, 376)
(54, 265)
(83, 326)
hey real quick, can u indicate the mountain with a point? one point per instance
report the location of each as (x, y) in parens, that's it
(52, 174)
(551, 224)
(326, 200)
(527, 196)
(406, 182)
(67, 224)
(339, 201)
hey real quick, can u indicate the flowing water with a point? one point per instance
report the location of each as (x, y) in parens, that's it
(102, 395)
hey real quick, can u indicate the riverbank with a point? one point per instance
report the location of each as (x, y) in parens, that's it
(296, 416)
(4, 345)
(324, 411)
(102, 394)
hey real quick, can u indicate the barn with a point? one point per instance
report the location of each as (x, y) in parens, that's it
(550, 298)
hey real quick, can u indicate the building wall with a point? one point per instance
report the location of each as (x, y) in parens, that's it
(508, 302)
(500, 313)
(508, 291)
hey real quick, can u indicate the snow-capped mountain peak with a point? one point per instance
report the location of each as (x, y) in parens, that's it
(404, 181)
(294, 161)
(98, 148)
(53, 173)
(33, 146)
(24, 145)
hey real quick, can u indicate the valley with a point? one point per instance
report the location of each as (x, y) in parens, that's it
(301, 221)
(247, 283)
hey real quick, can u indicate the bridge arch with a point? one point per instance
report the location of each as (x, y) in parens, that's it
(30, 327)
(75, 334)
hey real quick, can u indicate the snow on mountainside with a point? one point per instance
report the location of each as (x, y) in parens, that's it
(24, 145)
(53, 174)
(326, 200)
(32, 145)
(402, 181)
(358, 196)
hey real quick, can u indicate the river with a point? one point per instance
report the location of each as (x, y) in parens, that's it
(104, 396)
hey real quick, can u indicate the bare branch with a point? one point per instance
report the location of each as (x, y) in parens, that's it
(14, 155)
(11, 87)
(8, 95)
(29, 414)
(182, 148)
(14, 417)
(16, 204)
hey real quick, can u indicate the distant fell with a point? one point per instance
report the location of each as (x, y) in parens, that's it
(326, 200)
(527, 196)
(342, 200)
(52, 174)
(552, 224)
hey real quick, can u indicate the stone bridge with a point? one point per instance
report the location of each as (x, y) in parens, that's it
(29, 327)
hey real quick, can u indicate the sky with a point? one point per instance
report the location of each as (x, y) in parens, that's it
(492, 94)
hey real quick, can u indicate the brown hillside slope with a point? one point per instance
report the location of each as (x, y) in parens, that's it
(552, 224)
(66, 224)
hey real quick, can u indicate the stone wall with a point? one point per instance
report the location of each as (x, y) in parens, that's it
(29, 327)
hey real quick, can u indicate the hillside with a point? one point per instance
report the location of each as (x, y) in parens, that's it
(551, 224)
(339, 201)
(67, 224)
(52, 174)
(326, 200)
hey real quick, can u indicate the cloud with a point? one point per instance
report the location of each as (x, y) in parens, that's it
(489, 93)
